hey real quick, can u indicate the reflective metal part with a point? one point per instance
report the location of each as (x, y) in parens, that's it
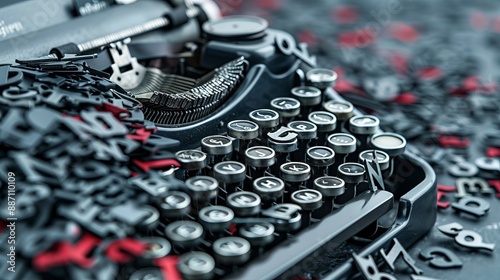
(342, 143)
(352, 172)
(184, 234)
(320, 156)
(321, 78)
(217, 145)
(260, 156)
(216, 218)
(242, 129)
(265, 118)
(382, 158)
(231, 250)
(229, 172)
(286, 107)
(343, 110)
(295, 171)
(364, 125)
(269, 188)
(202, 187)
(307, 199)
(196, 266)
(191, 159)
(329, 186)
(391, 143)
(244, 203)
(259, 234)
(307, 96)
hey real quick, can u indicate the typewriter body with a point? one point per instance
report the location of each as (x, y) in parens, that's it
(251, 166)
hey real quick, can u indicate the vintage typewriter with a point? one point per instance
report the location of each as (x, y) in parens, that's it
(159, 140)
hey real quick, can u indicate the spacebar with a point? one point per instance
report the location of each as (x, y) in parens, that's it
(337, 227)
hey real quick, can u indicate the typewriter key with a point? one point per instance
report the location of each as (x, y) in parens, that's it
(244, 131)
(147, 274)
(306, 131)
(330, 187)
(382, 158)
(326, 123)
(192, 161)
(259, 235)
(157, 248)
(308, 200)
(175, 205)
(231, 250)
(308, 97)
(342, 144)
(343, 110)
(260, 156)
(202, 188)
(216, 218)
(268, 121)
(184, 234)
(321, 78)
(217, 146)
(236, 28)
(244, 203)
(319, 158)
(391, 143)
(287, 108)
(269, 188)
(295, 172)
(364, 125)
(283, 141)
(352, 174)
(196, 266)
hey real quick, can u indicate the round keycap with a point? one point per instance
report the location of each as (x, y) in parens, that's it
(216, 218)
(265, 118)
(366, 124)
(196, 266)
(260, 156)
(151, 273)
(382, 158)
(287, 215)
(343, 110)
(295, 171)
(242, 129)
(269, 188)
(157, 247)
(320, 156)
(352, 172)
(329, 186)
(244, 203)
(259, 234)
(231, 250)
(175, 204)
(321, 78)
(217, 145)
(151, 221)
(391, 143)
(191, 159)
(307, 199)
(287, 107)
(305, 130)
(307, 96)
(229, 172)
(202, 187)
(325, 121)
(235, 28)
(342, 143)
(184, 234)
